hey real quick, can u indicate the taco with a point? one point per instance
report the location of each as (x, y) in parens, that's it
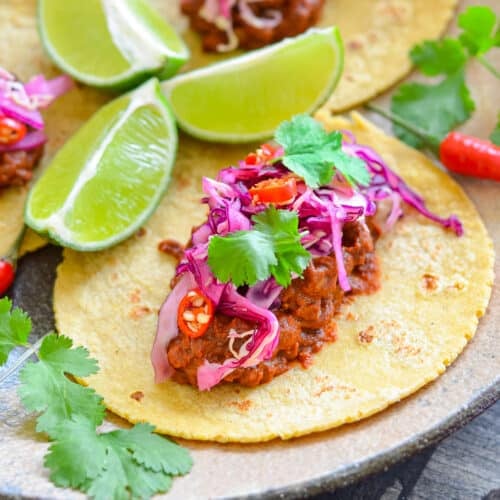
(388, 342)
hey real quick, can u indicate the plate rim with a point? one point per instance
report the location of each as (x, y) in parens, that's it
(357, 471)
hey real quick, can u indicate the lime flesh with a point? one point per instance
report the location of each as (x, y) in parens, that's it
(109, 177)
(245, 98)
(109, 43)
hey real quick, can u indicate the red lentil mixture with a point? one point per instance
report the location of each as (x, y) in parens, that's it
(305, 311)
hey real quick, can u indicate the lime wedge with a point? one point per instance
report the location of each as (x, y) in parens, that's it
(112, 44)
(109, 177)
(245, 98)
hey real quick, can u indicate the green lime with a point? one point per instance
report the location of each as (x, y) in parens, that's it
(111, 44)
(245, 98)
(106, 181)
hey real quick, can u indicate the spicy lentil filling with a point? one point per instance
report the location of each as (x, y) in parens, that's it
(296, 16)
(16, 167)
(305, 310)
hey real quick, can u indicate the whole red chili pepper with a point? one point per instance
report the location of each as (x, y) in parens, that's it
(8, 264)
(468, 155)
(7, 274)
(458, 152)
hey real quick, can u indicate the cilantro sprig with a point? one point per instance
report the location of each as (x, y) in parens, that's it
(313, 153)
(435, 109)
(495, 135)
(15, 327)
(271, 248)
(123, 463)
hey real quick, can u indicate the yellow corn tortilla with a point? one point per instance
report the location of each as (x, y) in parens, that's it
(377, 36)
(435, 286)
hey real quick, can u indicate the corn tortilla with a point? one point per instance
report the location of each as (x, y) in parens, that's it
(435, 286)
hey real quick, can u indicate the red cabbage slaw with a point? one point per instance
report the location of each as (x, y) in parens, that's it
(22, 102)
(322, 212)
(219, 13)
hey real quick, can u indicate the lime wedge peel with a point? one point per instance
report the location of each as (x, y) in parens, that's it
(140, 43)
(258, 90)
(68, 179)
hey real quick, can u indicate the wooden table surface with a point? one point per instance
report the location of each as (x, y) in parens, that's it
(464, 466)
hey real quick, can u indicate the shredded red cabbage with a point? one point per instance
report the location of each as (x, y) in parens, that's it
(322, 213)
(23, 102)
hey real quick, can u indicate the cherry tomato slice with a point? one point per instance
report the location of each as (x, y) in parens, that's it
(11, 131)
(195, 313)
(7, 274)
(278, 191)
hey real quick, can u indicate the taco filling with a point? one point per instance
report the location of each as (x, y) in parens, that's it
(22, 137)
(290, 236)
(225, 25)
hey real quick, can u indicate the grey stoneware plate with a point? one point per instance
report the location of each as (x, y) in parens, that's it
(303, 466)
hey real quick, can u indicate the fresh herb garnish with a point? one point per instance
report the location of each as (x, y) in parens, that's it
(495, 135)
(271, 248)
(438, 57)
(124, 463)
(43, 383)
(436, 109)
(480, 31)
(118, 464)
(313, 153)
(15, 327)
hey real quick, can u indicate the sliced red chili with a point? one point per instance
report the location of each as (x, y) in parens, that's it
(11, 131)
(195, 313)
(278, 191)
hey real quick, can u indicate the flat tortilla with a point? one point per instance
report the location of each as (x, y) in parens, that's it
(435, 287)
(377, 36)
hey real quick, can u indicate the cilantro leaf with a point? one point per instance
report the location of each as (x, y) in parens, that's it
(435, 109)
(480, 31)
(271, 247)
(495, 135)
(15, 327)
(45, 387)
(311, 151)
(116, 464)
(438, 57)
(282, 228)
(352, 168)
(304, 134)
(243, 257)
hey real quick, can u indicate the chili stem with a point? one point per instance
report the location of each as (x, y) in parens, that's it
(488, 66)
(429, 141)
(32, 349)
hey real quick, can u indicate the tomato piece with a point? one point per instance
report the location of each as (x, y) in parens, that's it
(278, 191)
(7, 274)
(11, 131)
(195, 313)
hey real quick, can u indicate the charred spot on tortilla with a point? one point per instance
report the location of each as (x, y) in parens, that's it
(137, 395)
(261, 283)
(172, 248)
(225, 26)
